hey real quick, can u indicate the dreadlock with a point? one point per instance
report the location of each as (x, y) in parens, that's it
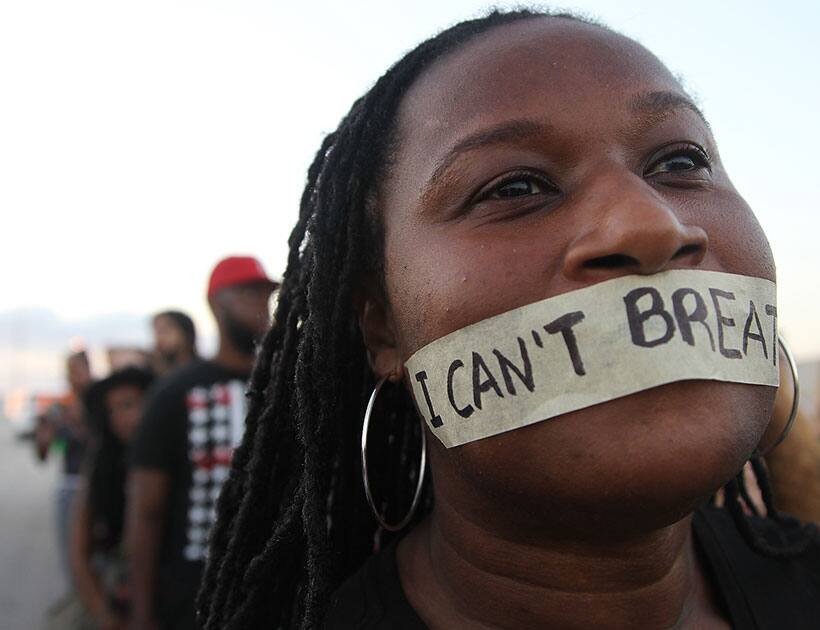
(791, 540)
(292, 518)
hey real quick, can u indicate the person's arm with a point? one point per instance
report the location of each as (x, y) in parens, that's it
(86, 582)
(43, 437)
(147, 506)
(158, 446)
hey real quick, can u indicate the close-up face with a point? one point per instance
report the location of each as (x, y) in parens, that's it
(540, 158)
(247, 306)
(169, 339)
(124, 405)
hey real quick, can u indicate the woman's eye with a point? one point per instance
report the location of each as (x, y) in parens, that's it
(678, 163)
(512, 194)
(519, 187)
(685, 160)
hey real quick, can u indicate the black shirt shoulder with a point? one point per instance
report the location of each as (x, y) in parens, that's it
(759, 591)
(373, 598)
(197, 372)
(762, 590)
(161, 438)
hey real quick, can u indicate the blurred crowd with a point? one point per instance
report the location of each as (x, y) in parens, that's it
(144, 452)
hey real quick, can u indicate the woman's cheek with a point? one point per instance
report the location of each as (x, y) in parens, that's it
(444, 283)
(737, 243)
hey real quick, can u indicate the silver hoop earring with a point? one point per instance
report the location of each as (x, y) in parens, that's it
(419, 484)
(795, 401)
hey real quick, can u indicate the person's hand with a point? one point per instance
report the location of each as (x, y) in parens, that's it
(43, 436)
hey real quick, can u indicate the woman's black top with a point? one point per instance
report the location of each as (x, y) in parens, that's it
(757, 591)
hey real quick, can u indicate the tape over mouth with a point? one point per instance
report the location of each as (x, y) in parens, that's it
(596, 344)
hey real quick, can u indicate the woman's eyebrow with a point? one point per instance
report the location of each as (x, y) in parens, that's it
(655, 106)
(505, 132)
(658, 105)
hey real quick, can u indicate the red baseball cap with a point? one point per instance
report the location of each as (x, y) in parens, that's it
(236, 270)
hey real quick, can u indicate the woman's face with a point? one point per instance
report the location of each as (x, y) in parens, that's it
(124, 404)
(540, 158)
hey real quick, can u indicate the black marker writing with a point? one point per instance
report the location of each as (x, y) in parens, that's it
(748, 334)
(771, 311)
(564, 325)
(508, 366)
(464, 412)
(637, 318)
(435, 419)
(724, 322)
(483, 386)
(685, 318)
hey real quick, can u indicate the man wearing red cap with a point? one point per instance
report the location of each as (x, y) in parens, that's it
(182, 451)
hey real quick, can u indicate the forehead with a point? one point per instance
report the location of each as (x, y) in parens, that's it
(123, 390)
(566, 73)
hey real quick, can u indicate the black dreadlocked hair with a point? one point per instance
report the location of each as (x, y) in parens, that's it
(292, 518)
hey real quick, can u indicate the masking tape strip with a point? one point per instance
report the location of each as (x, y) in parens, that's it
(592, 345)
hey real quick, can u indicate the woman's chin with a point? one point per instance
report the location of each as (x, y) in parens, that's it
(642, 461)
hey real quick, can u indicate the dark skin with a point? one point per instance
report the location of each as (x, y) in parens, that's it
(584, 520)
(149, 489)
(78, 372)
(249, 305)
(123, 404)
(170, 342)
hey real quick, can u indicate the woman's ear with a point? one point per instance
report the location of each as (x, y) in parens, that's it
(378, 332)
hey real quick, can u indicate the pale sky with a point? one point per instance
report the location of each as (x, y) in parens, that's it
(141, 141)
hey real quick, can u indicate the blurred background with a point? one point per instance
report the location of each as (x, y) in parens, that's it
(142, 141)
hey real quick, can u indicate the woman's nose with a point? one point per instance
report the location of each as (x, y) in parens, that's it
(630, 228)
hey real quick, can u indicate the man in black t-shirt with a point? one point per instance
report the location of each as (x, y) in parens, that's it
(182, 451)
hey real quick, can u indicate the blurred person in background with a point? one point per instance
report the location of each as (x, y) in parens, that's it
(183, 448)
(121, 357)
(64, 426)
(794, 465)
(97, 558)
(790, 461)
(174, 340)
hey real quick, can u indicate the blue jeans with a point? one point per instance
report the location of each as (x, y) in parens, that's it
(66, 491)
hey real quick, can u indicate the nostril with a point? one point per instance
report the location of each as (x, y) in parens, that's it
(612, 261)
(687, 250)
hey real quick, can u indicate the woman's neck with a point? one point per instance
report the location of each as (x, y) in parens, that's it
(457, 574)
